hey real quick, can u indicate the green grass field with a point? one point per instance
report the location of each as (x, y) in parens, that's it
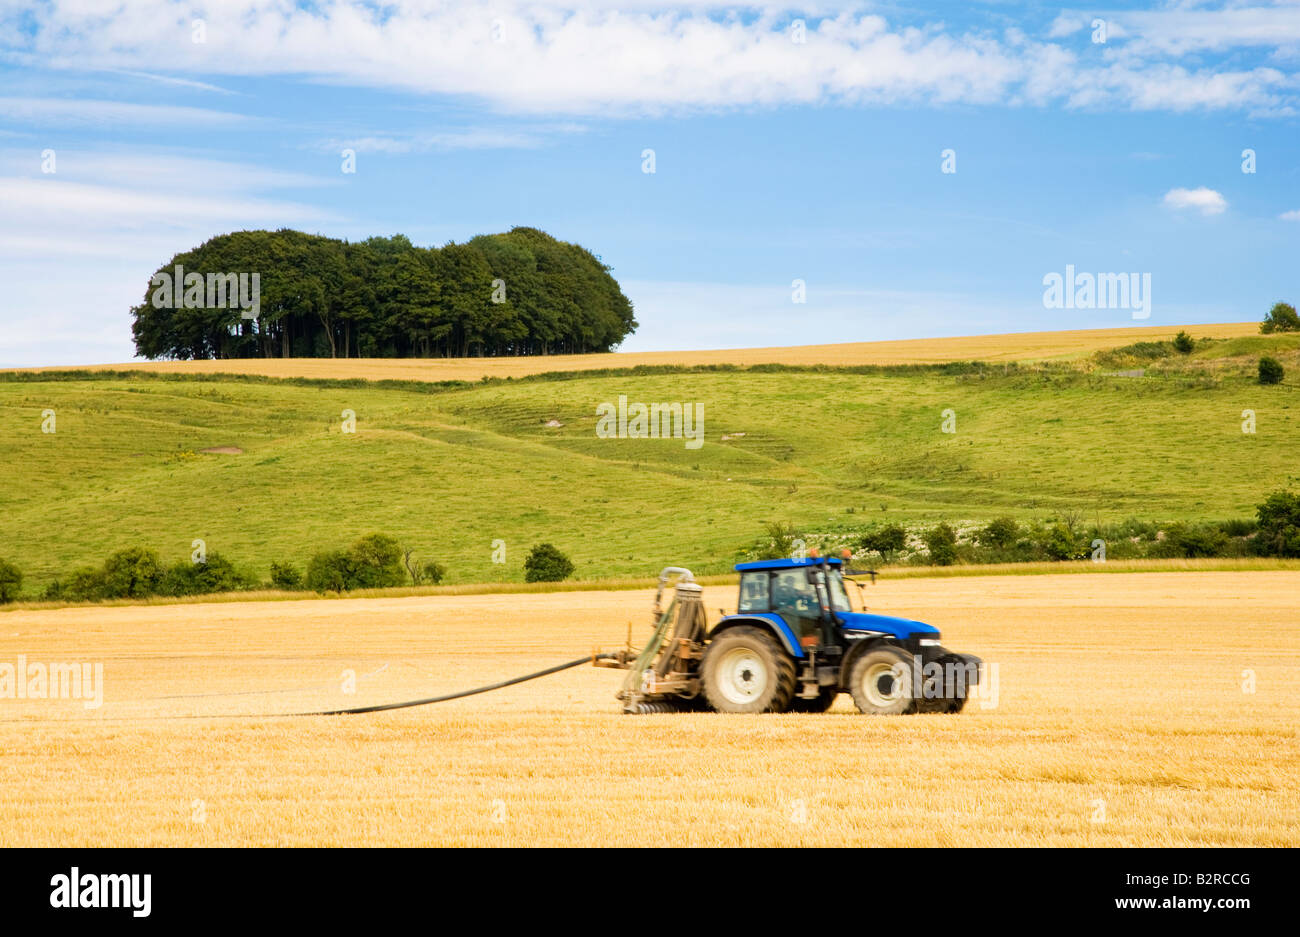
(448, 471)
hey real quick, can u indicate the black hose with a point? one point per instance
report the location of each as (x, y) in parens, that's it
(450, 696)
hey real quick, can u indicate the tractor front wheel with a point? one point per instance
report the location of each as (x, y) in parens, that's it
(746, 671)
(880, 682)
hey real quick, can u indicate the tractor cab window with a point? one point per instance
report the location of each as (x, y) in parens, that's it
(753, 593)
(792, 591)
(794, 598)
(839, 596)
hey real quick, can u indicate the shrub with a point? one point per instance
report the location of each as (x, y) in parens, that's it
(941, 542)
(373, 562)
(546, 563)
(1281, 318)
(433, 573)
(1183, 343)
(886, 541)
(376, 563)
(11, 580)
(1000, 533)
(782, 541)
(1279, 524)
(133, 573)
(1270, 370)
(1239, 527)
(286, 576)
(1060, 542)
(85, 585)
(329, 571)
(1184, 541)
(218, 574)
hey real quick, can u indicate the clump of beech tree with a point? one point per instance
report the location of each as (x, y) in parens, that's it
(518, 293)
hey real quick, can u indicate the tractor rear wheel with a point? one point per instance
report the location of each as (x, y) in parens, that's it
(744, 670)
(823, 701)
(880, 682)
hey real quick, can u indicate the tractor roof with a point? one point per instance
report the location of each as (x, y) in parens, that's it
(788, 563)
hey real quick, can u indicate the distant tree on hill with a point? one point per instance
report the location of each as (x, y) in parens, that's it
(11, 580)
(518, 293)
(1279, 524)
(1281, 318)
(546, 563)
(885, 541)
(941, 542)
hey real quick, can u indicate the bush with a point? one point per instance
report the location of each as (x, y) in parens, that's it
(546, 563)
(133, 573)
(373, 562)
(376, 563)
(941, 542)
(433, 573)
(886, 541)
(1184, 541)
(782, 541)
(1270, 370)
(286, 576)
(11, 580)
(1060, 542)
(1183, 343)
(1239, 527)
(1279, 524)
(1281, 318)
(1000, 533)
(218, 574)
(330, 571)
(85, 585)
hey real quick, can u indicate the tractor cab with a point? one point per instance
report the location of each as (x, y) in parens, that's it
(806, 594)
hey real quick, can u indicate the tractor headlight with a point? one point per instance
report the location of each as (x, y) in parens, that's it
(929, 642)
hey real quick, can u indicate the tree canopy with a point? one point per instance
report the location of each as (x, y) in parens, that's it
(518, 293)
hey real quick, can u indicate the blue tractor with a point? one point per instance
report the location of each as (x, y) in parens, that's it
(794, 644)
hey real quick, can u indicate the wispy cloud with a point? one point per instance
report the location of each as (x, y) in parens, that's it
(1290, 215)
(170, 80)
(83, 112)
(468, 139)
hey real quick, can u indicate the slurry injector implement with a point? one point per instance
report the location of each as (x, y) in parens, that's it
(794, 644)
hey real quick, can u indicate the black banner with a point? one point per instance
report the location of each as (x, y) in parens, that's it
(143, 888)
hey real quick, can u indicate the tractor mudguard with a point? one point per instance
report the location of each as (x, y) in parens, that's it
(769, 621)
(856, 649)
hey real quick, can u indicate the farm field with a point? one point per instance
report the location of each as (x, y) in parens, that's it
(1120, 720)
(262, 471)
(1020, 346)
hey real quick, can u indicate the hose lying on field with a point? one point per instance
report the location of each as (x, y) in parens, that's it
(450, 696)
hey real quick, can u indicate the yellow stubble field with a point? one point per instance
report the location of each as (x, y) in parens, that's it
(1132, 709)
(1023, 346)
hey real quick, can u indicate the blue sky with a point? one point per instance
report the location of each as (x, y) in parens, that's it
(775, 160)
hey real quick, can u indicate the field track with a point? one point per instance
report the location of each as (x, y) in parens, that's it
(1027, 346)
(1120, 719)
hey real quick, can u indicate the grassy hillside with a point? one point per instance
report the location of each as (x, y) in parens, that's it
(449, 470)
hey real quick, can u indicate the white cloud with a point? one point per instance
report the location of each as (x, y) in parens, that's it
(468, 139)
(81, 112)
(1180, 30)
(1290, 215)
(602, 58)
(1206, 201)
(77, 246)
